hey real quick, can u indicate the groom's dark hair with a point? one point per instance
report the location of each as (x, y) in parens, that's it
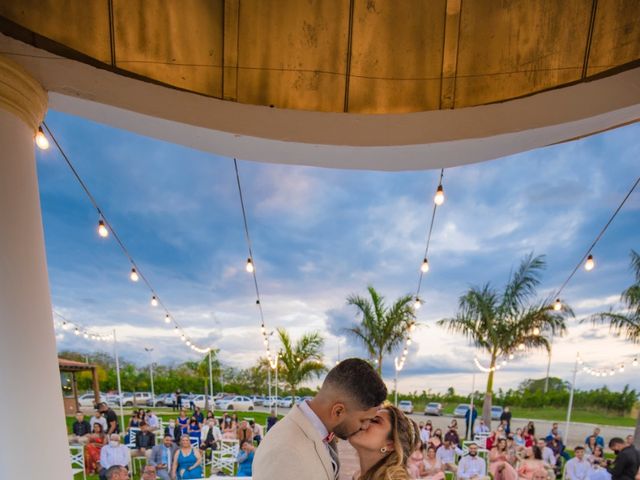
(359, 381)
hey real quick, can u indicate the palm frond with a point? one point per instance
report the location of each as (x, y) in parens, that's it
(522, 284)
(626, 325)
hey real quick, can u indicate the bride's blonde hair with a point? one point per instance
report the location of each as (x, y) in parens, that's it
(405, 437)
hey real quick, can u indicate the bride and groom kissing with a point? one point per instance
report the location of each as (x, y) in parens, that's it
(349, 406)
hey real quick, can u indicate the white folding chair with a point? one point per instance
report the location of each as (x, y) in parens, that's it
(221, 463)
(481, 439)
(230, 447)
(77, 460)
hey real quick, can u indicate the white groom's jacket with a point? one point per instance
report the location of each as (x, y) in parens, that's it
(292, 450)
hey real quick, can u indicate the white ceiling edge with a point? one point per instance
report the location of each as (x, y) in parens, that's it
(415, 141)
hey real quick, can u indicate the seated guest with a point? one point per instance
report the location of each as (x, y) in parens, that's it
(480, 428)
(211, 435)
(97, 440)
(113, 454)
(446, 455)
(452, 434)
(629, 440)
(533, 463)
(183, 422)
(518, 438)
(425, 433)
(194, 431)
(245, 433)
(80, 430)
(229, 429)
(174, 431)
(162, 457)
(186, 461)
(598, 465)
(245, 459)
(578, 468)
(553, 433)
(432, 467)
(145, 441)
(599, 440)
(257, 431)
(152, 421)
(116, 472)
(531, 429)
(548, 457)
(98, 418)
(414, 462)
(198, 414)
(500, 462)
(149, 473)
(557, 446)
(436, 439)
(272, 419)
(133, 428)
(471, 467)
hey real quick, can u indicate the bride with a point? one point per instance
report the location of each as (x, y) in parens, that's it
(385, 447)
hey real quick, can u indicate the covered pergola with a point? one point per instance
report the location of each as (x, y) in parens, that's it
(71, 405)
(353, 84)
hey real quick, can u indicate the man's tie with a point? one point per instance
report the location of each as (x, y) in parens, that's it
(330, 441)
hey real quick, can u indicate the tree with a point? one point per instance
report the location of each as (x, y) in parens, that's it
(627, 322)
(382, 329)
(300, 361)
(502, 323)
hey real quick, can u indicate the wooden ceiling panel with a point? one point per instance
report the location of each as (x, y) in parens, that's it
(177, 43)
(80, 25)
(616, 35)
(292, 53)
(396, 56)
(513, 48)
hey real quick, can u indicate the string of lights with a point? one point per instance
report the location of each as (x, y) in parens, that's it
(250, 266)
(105, 229)
(79, 330)
(438, 200)
(610, 371)
(587, 260)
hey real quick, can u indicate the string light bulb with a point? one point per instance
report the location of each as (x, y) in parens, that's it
(250, 268)
(536, 331)
(589, 264)
(424, 268)
(417, 304)
(412, 327)
(134, 275)
(102, 229)
(167, 318)
(76, 332)
(65, 326)
(521, 346)
(557, 306)
(438, 199)
(635, 362)
(41, 140)
(511, 356)
(154, 301)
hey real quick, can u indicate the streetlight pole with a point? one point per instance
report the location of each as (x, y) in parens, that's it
(115, 354)
(274, 365)
(153, 394)
(573, 386)
(398, 366)
(210, 377)
(473, 390)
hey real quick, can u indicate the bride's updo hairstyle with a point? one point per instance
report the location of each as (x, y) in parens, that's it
(405, 436)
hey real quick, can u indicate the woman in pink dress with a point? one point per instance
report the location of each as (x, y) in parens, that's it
(92, 450)
(499, 465)
(431, 467)
(414, 462)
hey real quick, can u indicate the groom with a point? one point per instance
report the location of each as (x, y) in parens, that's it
(302, 445)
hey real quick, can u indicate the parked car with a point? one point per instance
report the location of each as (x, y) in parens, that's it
(258, 400)
(237, 402)
(89, 400)
(162, 400)
(433, 408)
(287, 402)
(307, 398)
(461, 410)
(200, 400)
(271, 403)
(405, 406)
(496, 411)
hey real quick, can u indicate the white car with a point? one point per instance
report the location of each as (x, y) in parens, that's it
(405, 406)
(270, 403)
(87, 400)
(200, 400)
(287, 402)
(237, 402)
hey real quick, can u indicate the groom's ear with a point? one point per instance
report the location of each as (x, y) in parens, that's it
(338, 410)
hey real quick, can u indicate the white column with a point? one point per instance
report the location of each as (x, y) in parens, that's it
(31, 399)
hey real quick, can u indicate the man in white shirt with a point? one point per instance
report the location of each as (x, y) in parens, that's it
(152, 420)
(258, 432)
(114, 453)
(481, 428)
(547, 454)
(98, 418)
(447, 456)
(577, 468)
(425, 433)
(471, 467)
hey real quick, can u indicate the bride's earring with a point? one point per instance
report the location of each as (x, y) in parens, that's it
(383, 450)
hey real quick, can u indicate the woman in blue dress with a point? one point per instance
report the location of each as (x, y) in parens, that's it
(183, 421)
(245, 459)
(194, 431)
(186, 461)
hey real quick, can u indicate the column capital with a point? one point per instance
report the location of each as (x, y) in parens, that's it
(21, 94)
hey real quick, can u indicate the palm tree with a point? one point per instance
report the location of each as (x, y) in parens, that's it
(382, 329)
(627, 324)
(502, 323)
(300, 361)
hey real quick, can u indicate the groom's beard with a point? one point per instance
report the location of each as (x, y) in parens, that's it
(341, 431)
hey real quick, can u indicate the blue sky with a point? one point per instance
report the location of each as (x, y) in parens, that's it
(320, 235)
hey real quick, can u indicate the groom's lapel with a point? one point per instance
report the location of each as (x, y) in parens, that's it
(321, 449)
